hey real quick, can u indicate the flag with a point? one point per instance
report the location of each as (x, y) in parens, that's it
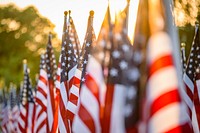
(79, 73)
(41, 99)
(27, 105)
(163, 102)
(14, 110)
(4, 116)
(68, 61)
(120, 113)
(51, 74)
(90, 110)
(191, 79)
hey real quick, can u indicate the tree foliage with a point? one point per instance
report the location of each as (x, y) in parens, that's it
(23, 35)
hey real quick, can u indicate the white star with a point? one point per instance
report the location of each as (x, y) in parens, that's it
(81, 57)
(88, 44)
(125, 47)
(197, 70)
(102, 43)
(190, 66)
(69, 51)
(85, 62)
(190, 72)
(114, 72)
(63, 48)
(134, 74)
(131, 92)
(70, 45)
(83, 79)
(116, 54)
(137, 57)
(68, 65)
(123, 65)
(75, 59)
(69, 58)
(63, 64)
(198, 56)
(118, 36)
(128, 110)
(191, 60)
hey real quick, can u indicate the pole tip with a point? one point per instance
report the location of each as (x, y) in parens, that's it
(69, 12)
(91, 13)
(24, 61)
(183, 44)
(65, 12)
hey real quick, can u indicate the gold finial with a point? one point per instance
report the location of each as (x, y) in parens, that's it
(66, 12)
(183, 44)
(91, 13)
(24, 61)
(69, 12)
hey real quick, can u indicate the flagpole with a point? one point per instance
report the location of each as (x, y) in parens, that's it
(172, 30)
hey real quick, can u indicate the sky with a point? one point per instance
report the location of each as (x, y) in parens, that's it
(54, 10)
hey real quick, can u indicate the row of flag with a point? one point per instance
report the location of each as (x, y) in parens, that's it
(109, 85)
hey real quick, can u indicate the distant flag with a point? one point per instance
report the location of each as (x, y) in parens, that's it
(90, 111)
(79, 73)
(41, 99)
(27, 109)
(61, 83)
(14, 114)
(163, 101)
(191, 79)
(51, 74)
(4, 115)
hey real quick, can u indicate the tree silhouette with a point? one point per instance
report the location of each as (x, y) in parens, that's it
(23, 34)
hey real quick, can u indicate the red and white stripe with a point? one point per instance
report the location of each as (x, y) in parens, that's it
(26, 118)
(63, 123)
(163, 101)
(74, 85)
(41, 103)
(91, 100)
(15, 115)
(5, 120)
(51, 105)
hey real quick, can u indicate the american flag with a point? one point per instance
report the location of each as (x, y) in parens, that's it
(41, 99)
(27, 105)
(163, 102)
(4, 116)
(69, 56)
(90, 112)
(123, 76)
(51, 74)
(191, 79)
(79, 72)
(14, 110)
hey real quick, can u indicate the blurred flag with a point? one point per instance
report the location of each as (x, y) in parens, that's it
(122, 84)
(27, 106)
(191, 79)
(41, 99)
(14, 110)
(79, 73)
(51, 74)
(163, 101)
(4, 115)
